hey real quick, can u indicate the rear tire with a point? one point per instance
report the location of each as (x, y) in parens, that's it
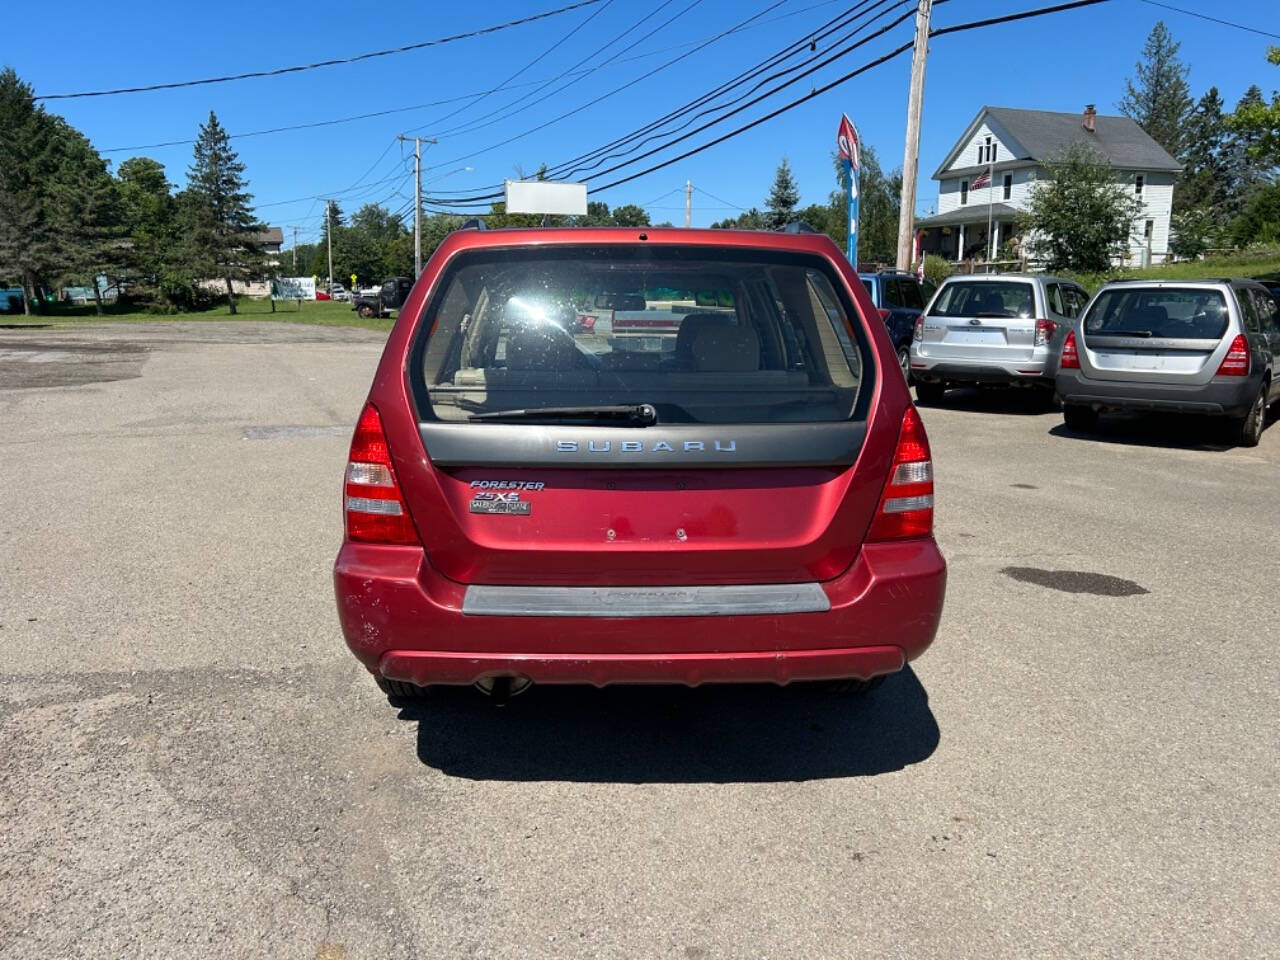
(904, 361)
(401, 692)
(1080, 419)
(851, 686)
(1247, 431)
(930, 393)
(366, 311)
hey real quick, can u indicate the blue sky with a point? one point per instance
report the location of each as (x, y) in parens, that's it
(1059, 62)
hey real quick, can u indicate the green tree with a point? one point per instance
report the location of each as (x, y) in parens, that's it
(219, 225)
(1203, 182)
(86, 205)
(784, 197)
(1259, 222)
(147, 209)
(28, 240)
(1258, 122)
(1079, 218)
(752, 219)
(1158, 98)
(630, 215)
(879, 200)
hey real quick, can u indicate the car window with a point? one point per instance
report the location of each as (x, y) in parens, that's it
(1248, 309)
(911, 296)
(984, 298)
(706, 335)
(1078, 299)
(1267, 309)
(1168, 312)
(1055, 299)
(892, 295)
(871, 290)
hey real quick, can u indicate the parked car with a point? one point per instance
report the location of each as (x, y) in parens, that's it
(390, 296)
(527, 502)
(1005, 328)
(1206, 346)
(338, 292)
(901, 298)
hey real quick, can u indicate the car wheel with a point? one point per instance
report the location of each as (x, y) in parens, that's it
(904, 361)
(1247, 431)
(1080, 419)
(850, 686)
(400, 692)
(930, 393)
(366, 311)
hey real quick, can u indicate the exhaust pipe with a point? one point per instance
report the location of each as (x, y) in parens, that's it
(500, 689)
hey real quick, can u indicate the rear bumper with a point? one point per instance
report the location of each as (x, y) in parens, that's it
(980, 371)
(1217, 397)
(404, 621)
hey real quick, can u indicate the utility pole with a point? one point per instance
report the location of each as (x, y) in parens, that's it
(688, 203)
(295, 249)
(328, 224)
(417, 199)
(911, 158)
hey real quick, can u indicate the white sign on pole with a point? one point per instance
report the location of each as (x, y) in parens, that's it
(544, 196)
(293, 288)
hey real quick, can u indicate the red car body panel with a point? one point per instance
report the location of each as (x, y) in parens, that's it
(401, 606)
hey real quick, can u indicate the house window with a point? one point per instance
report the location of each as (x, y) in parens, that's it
(1147, 231)
(1137, 186)
(987, 158)
(1008, 185)
(964, 192)
(993, 152)
(979, 154)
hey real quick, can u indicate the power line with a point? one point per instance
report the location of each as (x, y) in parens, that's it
(720, 199)
(333, 193)
(613, 61)
(507, 110)
(337, 61)
(561, 171)
(545, 53)
(710, 123)
(972, 25)
(1205, 16)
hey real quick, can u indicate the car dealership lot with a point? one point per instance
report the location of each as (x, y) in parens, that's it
(1084, 763)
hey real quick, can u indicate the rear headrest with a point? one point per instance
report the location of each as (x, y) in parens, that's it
(1153, 314)
(726, 350)
(691, 326)
(543, 347)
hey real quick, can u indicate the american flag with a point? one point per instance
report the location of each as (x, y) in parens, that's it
(981, 180)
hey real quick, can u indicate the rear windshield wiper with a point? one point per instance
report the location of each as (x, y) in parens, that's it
(627, 414)
(1144, 334)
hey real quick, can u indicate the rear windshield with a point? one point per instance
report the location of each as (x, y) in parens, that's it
(704, 335)
(984, 298)
(1169, 312)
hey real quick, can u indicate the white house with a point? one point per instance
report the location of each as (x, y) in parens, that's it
(1011, 146)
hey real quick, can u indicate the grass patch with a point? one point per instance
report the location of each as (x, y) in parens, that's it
(314, 312)
(1260, 264)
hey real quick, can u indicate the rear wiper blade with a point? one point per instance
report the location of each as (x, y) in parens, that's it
(1125, 333)
(628, 414)
(994, 316)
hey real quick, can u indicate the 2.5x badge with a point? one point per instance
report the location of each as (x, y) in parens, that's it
(502, 497)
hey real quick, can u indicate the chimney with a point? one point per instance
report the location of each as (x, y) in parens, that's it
(1090, 119)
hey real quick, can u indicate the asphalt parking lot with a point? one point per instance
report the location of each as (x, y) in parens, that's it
(1085, 764)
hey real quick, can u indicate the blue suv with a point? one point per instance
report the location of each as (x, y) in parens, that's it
(901, 298)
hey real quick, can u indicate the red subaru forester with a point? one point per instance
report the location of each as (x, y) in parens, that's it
(742, 492)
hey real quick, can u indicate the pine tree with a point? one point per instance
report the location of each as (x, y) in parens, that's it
(1160, 99)
(87, 213)
(220, 226)
(148, 212)
(784, 197)
(1203, 182)
(1259, 122)
(28, 242)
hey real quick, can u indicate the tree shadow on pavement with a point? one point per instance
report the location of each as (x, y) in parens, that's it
(644, 734)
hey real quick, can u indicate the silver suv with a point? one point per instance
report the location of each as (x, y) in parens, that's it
(1000, 328)
(1206, 346)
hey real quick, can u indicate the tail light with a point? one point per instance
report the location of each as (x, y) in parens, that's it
(586, 322)
(906, 506)
(1045, 329)
(1070, 357)
(1236, 362)
(374, 507)
(919, 331)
